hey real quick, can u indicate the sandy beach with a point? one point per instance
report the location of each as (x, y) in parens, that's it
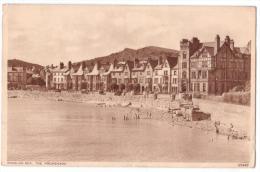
(236, 115)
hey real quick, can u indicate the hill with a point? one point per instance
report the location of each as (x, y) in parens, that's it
(130, 54)
(20, 63)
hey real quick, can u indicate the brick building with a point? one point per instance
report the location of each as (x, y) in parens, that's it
(16, 77)
(61, 77)
(165, 76)
(121, 73)
(142, 73)
(93, 78)
(78, 78)
(106, 76)
(212, 67)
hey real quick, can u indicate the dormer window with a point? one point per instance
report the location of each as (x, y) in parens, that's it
(184, 55)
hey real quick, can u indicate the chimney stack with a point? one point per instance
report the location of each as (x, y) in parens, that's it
(159, 61)
(217, 44)
(61, 65)
(69, 65)
(232, 46)
(227, 40)
(136, 61)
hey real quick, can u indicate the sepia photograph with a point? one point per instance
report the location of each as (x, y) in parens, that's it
(128, 85)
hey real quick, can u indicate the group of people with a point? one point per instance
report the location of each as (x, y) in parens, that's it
(230, 129)
(135, 114)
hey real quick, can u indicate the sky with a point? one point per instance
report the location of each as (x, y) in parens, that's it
(49, 34)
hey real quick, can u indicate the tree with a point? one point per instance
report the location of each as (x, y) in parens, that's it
(129, 87)
(136, 88)
(29, 80)
(113, 87)
(83, 65)
(121, 87)
(69, 64)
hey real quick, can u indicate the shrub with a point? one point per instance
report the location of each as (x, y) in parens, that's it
(196, 95)
(242, 98)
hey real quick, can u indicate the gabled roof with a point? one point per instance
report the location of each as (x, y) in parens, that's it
(172, 61)
(120, 66)
(95, 70)
(58, 69)
(15, 69)
(111, 67)
(242, 50)
(79, 72)
(153, 63)
(140, 66)
(212, 44)
(70, 72)
(210, 50)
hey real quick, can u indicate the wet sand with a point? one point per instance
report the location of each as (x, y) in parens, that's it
(223, 113)
(48, 130)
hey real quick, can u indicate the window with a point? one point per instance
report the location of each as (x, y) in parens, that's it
(184, 55)
(184, 65)
(175, 72)
(223, 64)
(174, 80)
(156, 72)
(141, 73)
(9, 77)
(156, 80)
(204, 64)
(204, 87)
(199, 74)
(141, 80)
(133, 73)
(191, 86)
(148, 73)
(119, 81)
(165, 73)
(204, 74)
(61, 79)
(184, 74)
(223, 74)
(126, 73)
(193, 64)
(198, 86)
(204, 54)
(193, 75)
(119, 74)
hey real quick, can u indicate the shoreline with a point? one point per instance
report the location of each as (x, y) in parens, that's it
(158, 108)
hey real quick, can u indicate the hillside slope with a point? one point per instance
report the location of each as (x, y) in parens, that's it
(20, 63)
(130, 54)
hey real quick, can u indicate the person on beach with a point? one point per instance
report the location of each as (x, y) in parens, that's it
(217, 124)
(230, 131)
(173, 95)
